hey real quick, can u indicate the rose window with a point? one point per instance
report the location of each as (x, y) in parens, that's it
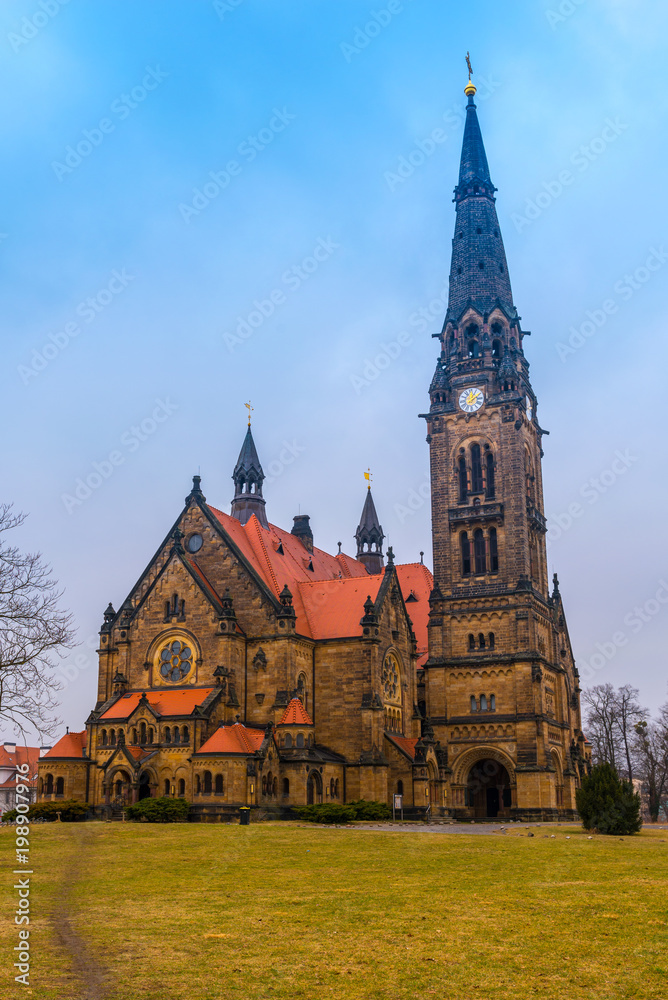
(176, 661)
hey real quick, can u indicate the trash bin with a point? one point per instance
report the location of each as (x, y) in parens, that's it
(244, 814)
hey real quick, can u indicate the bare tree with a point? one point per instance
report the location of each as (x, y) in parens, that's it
(651, 749)
(33, 631)
(611, 719)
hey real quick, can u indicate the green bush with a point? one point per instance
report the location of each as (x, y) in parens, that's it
(333, 812)
(607, 804)
(163, 810)
(70, 812)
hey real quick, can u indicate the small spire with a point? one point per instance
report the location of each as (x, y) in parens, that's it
(369, 535)
(248, 478)
(421, 558)
(339, 545)
(196, 491)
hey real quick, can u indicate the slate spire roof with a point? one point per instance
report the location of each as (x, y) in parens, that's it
(248, 478)
(248, 461)
(369, 536)
(479, 272)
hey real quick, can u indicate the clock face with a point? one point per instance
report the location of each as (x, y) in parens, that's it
(471, 400)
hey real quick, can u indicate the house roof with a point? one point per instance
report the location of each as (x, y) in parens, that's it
(404, 743)
(21, 755)
(180, 701)
(70, 745)
(236, 739)
(295, 715)
(328, 598)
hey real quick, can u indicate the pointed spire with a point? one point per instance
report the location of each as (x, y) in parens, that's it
(248, 478)
(369, 536)
(479, 272)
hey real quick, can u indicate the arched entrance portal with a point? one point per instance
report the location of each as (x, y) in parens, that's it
(314, 788)
(144, 786)
(488, 791)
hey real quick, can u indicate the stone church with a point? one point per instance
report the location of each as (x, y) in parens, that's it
(248, 667)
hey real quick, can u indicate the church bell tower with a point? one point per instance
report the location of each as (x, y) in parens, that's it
(501, 685)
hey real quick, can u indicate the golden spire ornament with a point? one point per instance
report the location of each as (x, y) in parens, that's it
(470, 88)
(367, 476)
(250, 409)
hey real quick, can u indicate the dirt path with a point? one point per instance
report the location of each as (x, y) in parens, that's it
(85, 966)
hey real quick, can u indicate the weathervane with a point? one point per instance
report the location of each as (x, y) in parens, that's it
(250, 409)
(468, 63)
(367, 476)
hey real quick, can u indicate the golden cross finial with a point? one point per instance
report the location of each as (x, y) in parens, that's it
(367, 476)
(468, 63)
(250, 409)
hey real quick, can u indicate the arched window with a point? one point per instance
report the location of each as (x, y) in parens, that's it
(336, 789)
(492, 703)
(288, 741)
(274, 790)
(168, 735)
(481, 640)
(496, 347)
(142, 733)
(400, 787)
(493, 551)
(300, 739)
(207, 782)
(134, 736)
(219, 784)
(198, 784)
(483, 703)
(177, 734)
(471, 640)
(474, 349)
(466, 553)
(331, 788)
(104, 737)
(476, 469)
(490, 486)
(264, 784)
(491, 640)
(463, 478)
(167, 786)
(479, 551)
(474, 704)
(182, 786)
(185, 735)
(112, 737)
(60, 786)
(49, 784)
(286, 786)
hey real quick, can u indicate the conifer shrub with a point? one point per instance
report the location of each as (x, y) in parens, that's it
(70, 812)
(608, 804)
(162, 810)
(334, 812)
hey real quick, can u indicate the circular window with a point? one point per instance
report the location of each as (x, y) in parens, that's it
(194, 543)
(176, 661)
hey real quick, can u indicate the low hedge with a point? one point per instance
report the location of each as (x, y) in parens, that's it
(162, 810)
(70, 812)
(333, 812)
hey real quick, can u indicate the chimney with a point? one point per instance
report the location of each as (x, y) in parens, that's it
(302, 529)
(10, 747)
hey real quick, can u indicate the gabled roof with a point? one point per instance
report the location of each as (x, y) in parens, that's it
(416, 579)
(180, 701)
(235, 739)
(295, 715)
(405, 744)
(70, 745)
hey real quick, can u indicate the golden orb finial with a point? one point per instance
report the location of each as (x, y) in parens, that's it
(470, 88)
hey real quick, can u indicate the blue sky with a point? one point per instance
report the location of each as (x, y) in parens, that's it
(305, 112)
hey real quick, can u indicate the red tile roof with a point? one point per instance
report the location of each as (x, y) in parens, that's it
(21, 755)
(415, 579)
(404, 743)
(70, 745)
(238, 739)
(295, 715)
(180, 701)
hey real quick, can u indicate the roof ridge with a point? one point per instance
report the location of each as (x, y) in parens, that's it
(263, 547)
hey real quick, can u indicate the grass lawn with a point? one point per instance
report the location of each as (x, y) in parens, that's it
(127, 912)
